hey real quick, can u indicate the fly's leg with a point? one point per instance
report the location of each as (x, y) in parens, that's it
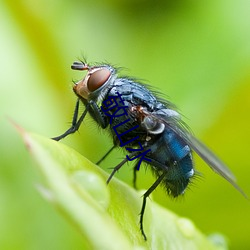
(134, 176)
(75, 123)
(145, 196)
(153, 162)
(105, 155)
(148, 192)
(116, 168)
(93, 109)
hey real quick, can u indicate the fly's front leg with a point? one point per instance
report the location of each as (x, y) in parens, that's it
(95, 112)
(75, 123)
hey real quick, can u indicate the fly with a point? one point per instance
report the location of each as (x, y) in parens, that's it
(148, 127)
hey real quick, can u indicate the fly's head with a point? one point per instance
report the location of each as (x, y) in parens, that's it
(96, 79)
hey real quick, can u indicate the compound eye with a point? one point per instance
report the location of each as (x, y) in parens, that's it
(97, 79)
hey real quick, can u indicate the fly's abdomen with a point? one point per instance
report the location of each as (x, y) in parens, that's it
(180, 165)
(175, 155)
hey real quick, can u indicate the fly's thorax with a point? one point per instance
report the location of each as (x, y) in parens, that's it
(95, 84)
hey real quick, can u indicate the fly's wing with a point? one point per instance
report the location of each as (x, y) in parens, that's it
(212, 160)
(174, 123)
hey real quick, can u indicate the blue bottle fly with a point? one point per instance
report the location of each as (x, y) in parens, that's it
(146, 126)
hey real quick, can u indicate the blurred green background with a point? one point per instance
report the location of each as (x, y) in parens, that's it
(196, 52)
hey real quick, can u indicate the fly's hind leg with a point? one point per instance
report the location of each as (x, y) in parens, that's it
(145, 196)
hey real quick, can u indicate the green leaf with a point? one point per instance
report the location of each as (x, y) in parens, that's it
(106, 215)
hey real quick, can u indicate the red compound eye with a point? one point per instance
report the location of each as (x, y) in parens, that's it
(97, 79)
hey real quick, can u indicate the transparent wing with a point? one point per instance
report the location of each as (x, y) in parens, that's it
(174, 123)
